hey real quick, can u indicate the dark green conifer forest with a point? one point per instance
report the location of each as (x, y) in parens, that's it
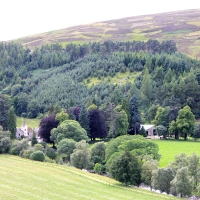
(56, 75)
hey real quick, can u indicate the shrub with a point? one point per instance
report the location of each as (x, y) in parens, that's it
(27, 153)
(66, 146)
(38, 147)
(50, 152)
(60, 161)
(98, 168)
(18, 146)
(38, 156)
(5, 144)
(49, 160)
(44, 144)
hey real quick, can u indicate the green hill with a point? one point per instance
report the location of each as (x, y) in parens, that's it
(25, 179)
(181, 26)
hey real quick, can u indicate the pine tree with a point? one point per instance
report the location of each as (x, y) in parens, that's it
(84, 120)
(12, 122)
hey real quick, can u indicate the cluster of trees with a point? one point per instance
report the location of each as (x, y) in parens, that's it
(76, 65)
(7, 115)
(179, 178)
(132, 160)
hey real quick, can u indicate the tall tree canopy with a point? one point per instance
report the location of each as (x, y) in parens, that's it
(97, 123)
(4, 106)
(12, 122)
(45, 127)
(126, 169)
(184, 123)
(84, 119)
(135, 120)
(70, 129)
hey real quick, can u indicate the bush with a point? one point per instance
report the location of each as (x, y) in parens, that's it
(38, 156)
(50, 152)
(63, 156)
(44, 144)
(18, 146)
(98, 168)
(5, 144)
(60, 161)
(38, 147)
(66, 146)
(49, 160)
(27, 153)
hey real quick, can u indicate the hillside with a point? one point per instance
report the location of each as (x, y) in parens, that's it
(99, 72)
(25, 179)
(182, 26)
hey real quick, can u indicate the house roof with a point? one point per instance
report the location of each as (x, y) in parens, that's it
(147, 126)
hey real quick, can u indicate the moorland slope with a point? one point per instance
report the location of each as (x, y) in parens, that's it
(181, 26)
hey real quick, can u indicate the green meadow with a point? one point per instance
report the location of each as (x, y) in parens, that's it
(33, 123)
(169, 148)
(26, 179)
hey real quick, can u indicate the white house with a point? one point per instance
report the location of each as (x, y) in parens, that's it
(150, 129)
(25, 132)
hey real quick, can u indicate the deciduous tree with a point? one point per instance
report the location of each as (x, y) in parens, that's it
(80, 158)
(97, 123)
(161, 179)
(181, 183)
(126, 169)
(45, 127)
(70, 129)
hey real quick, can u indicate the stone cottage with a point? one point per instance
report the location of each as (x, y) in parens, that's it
(150, 129)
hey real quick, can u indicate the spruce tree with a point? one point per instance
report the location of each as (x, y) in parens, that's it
(4, 112)
(135, 120)
(84, 120)
(12, 122)
(33, 139)
(126, 108)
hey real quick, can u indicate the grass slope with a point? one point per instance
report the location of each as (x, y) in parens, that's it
(26, 179)
(169, 148)
(119, 78)
(181, 26)
(33, 123)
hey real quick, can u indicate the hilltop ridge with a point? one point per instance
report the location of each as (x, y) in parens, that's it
(181, 26)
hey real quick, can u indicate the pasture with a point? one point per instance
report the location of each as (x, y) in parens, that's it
(169, 148)
(26, 179)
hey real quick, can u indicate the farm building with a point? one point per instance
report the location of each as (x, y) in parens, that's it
(150, 129)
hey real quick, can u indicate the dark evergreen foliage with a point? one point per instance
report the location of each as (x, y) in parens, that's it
(31, 78)
(97, 124)
(4, 112)
(135, 120)
(84, 120)
(12, 122)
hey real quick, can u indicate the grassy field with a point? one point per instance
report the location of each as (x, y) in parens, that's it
(33, 123)
(169, 148)
(181, 26)
(26, 179)
(119, 78)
